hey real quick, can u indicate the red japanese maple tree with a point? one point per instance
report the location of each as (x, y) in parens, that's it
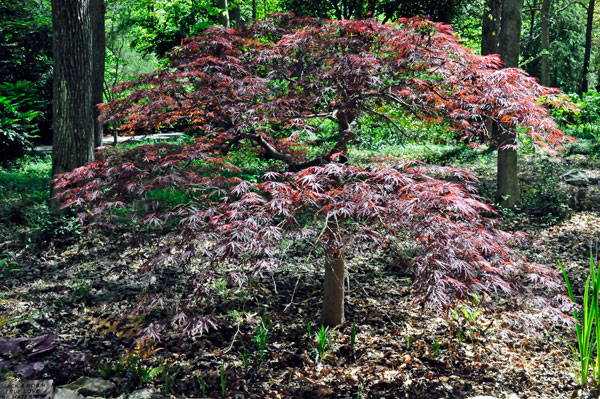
(266, 89)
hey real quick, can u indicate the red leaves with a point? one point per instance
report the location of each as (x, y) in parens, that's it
(268, 85)
(288, 71)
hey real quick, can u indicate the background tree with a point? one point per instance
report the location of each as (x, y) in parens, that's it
(585, 84)
(295, 97)
(490, 36)
(26, 70)
(73, 121)
(566, 39)
(545, 38)
(223, 6)
(388, 10)
(510, 35)
(97, 20)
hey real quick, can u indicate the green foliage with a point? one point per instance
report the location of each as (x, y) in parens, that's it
(169, 376)
(353, 336)
(245, 358)
(25, 66)
(467, 23)
(8, 266)
(567, 38)
(81, 289)
(261, 335)
(133, 371)
(223, 378)
(436, 347)
(587, 326)
(545, 197)
(202, 384)
(585, 122)
(20, 110)
(24, 192)
(156, 26)
(322, 343)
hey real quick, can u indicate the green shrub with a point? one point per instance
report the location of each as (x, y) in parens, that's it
(545, 197)
(18, 118)
(585, 122)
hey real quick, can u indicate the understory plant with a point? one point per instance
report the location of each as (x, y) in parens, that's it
(261, 335)
(321, 343)
(290, 92)
(587, 327)
(134, 372)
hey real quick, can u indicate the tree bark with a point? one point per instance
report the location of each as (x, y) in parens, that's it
(510, 35)
(490, 35)
(97, 11)
(585, 81)
(545, 36)
(253, 9)
(73, 120)
(490, 44)
(332, 313)
(235, 15)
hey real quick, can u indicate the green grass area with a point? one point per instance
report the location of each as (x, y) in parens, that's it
(24, 195)
(24, 191)
(27, 181)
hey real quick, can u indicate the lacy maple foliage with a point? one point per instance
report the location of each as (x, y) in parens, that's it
(263, 89)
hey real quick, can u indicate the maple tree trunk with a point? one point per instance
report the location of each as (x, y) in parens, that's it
(97, 11)
(73, 121)
(332, 313)
(510, 35)
(588, 46)
(545, 36)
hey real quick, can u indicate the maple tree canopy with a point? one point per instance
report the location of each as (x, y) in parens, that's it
(266, 89)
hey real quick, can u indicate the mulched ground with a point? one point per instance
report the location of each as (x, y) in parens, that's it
(84, 294)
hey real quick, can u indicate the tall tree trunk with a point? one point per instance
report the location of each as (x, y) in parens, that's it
(332, 313)
(490, 35)
(97, 11)
(73, 120)
(236, 16)
(534, 8)
(545, 36)
(490, 44)
(253, 9)
(510, 35)
(223, 7)
(585, 82)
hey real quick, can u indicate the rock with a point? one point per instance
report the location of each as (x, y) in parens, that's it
(575, 177)
(146, 393)
(91, 386)
(63, 393)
